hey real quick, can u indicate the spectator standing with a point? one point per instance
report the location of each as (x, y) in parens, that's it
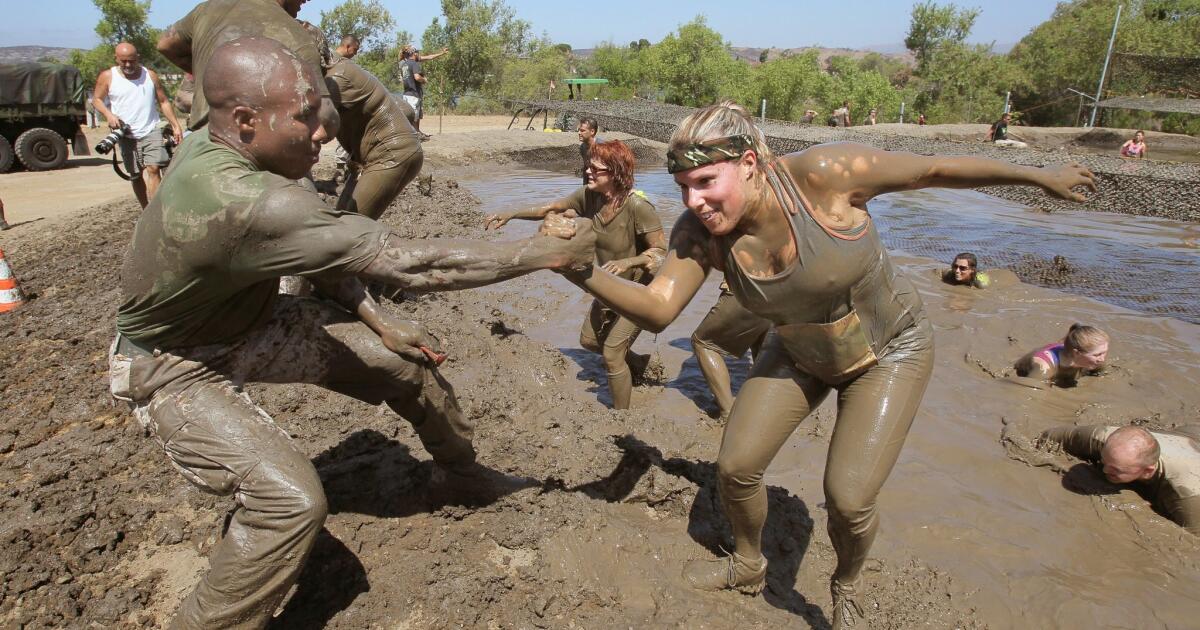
(412, 71)
(588, 128)
(871, 117)
(132, 90)
(921, 119)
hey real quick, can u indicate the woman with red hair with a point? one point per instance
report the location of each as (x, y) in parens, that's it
(629, 244)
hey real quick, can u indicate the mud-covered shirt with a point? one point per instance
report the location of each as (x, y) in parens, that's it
(375, 128)
(208, 251)
(1175, 488)
(216, 22)
(620, 232)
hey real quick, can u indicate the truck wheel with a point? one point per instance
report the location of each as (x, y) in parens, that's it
(41, 149)
(6, 155)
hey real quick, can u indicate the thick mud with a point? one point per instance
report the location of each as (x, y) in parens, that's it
(600, 507)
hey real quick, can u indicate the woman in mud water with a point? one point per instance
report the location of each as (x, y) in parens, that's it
(629, 244)
(798, 248)
(1135, 147)
(1083, 351)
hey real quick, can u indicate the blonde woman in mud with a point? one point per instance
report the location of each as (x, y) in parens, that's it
(1083, 351)
(798, 248)
(629, 243)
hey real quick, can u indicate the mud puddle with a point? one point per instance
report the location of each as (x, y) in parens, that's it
(1024, 542)
(1131, 261)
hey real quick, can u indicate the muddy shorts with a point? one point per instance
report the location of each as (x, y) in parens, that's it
(142, 152)
(192, 401)
(729, 328)
(605, 329)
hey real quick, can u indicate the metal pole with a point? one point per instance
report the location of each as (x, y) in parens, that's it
(1007, 96)
(763, 116)
(901, 111)
(1100, 88)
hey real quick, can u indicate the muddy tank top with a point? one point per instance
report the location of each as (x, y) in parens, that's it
(839, 304)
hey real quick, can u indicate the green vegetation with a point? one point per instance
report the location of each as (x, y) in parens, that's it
(494, 55)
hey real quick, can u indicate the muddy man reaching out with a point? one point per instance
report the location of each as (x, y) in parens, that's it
(201, 316)
(799, 249)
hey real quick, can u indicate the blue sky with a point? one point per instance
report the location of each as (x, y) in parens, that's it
(782, 24)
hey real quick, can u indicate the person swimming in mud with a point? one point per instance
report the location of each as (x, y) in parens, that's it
(1164, 465)
(965, 271)
(629, 244)
(729, 330)
(201, 316)
(798, 248)
(1083, 351)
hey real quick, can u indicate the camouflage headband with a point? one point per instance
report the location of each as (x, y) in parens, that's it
(710, 152)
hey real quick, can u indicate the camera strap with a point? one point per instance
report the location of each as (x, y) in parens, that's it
(117, 168)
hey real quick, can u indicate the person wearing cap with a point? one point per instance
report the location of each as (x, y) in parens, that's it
(412, 72)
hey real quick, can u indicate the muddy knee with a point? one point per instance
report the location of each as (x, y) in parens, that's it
(854, 510)
(588, 342)
(738, 475)
(614, 357)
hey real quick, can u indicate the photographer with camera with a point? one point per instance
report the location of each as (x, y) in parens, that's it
(132, 91)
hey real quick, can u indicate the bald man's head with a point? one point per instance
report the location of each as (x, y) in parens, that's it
(128, 60)
(1130, 454)
(263, 102)
(348, 48)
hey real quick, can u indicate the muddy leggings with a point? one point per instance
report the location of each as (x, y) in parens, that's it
(371, 191)
(224, 444)
(611, 335)
(874, 412)
(728, 330)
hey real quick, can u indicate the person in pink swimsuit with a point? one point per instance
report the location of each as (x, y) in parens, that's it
(1135, 148)
(1083, 351)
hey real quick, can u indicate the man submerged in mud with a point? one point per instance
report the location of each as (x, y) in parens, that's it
(965, 271)
(202, 316)
(1163, 465)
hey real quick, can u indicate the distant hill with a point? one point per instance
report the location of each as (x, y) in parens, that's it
(23, 54)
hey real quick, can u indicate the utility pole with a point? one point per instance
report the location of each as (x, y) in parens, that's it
(1104, 71)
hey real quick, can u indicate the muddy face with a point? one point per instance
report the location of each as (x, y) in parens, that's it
(716, 194)
(963, 272)
(1092, 358)
(1122, 466)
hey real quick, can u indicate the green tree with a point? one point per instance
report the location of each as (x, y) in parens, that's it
(790, 85)
(627, 70)
(120, 21)
(864, 89)
(694, 66)
(367, 20)
(481, 35)
(933, 27)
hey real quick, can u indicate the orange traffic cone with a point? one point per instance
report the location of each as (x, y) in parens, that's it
(10, 293)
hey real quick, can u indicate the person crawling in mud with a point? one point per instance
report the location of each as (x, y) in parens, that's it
(1083, 351)
(799, 249)
(384, 149)
(1164, 466)
(629, 244)
(201, 316)
(964, 271)
(729, 330)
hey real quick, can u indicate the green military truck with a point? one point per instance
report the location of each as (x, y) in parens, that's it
(41, 108)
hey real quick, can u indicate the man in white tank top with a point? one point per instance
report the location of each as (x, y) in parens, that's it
(127, 93)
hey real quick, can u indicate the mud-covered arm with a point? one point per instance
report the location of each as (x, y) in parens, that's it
(1185, 512)
(574, 201)
(1084, 442)
(654, 306)
(862, 172)
(448, 264)
(652, 251)
(176, 45)
(398, 335)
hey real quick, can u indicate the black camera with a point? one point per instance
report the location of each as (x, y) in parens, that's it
(107, 143)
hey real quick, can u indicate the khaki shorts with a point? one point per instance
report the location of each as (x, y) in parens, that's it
(415, 103)
(148, 151)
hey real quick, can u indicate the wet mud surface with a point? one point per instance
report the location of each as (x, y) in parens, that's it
(593, 511)
(1143, 187)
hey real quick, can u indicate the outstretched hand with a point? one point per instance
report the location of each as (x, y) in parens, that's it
(412, 340)
(577, 247)
(560, 225)
(1061, 180)
(496, 221)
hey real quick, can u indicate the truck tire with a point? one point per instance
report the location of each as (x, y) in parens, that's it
(6, 155)
(41, 149)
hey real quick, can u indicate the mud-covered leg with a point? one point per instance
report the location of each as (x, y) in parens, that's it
(375, 189)
(615, 348)
(875, 412)
(772, 403)
(226, 445)
(716, 374)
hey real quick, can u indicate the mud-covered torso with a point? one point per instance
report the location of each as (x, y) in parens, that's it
(619, 231)
(216, 22)
(839, 303)
(207, 253)
(374, 127)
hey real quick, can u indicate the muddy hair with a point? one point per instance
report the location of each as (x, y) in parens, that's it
(1142, 440)
(970, 258)
(1081, 338)
(618, 158)
(720, 121)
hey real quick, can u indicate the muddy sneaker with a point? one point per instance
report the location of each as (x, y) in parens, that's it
(732, 571)
(846, 611)
(472, 485)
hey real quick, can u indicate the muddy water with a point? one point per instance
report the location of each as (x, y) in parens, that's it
(1026, 546)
